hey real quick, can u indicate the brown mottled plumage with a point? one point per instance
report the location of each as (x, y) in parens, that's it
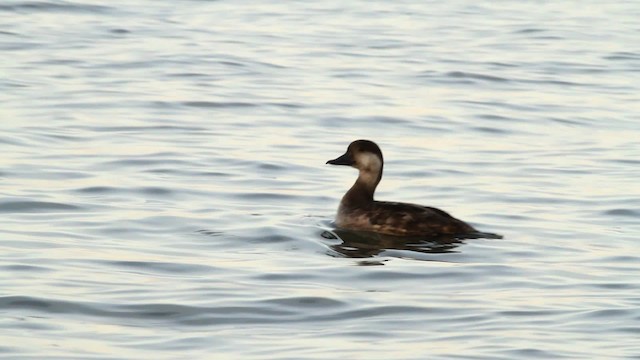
(359, 211)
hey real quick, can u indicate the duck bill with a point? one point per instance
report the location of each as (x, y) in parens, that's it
(345, 159)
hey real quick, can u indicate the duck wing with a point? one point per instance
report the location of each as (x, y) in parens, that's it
(411, 219)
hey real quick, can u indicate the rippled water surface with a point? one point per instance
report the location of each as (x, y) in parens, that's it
(164, 193)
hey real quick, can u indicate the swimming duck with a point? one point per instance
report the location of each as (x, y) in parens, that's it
(359, 211)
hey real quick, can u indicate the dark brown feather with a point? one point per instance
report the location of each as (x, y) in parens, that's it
(411, 219)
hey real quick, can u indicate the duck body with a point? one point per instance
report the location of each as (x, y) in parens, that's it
(359, 211)
(400, 219)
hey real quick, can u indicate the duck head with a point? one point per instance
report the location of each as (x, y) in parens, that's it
(365, 156)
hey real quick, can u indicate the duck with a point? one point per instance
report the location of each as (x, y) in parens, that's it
(359, 211)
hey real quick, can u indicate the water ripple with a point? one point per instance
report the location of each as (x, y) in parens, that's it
(473, 76)
(67, 7)
(238, 104)
(623, 212)
(220, 104)
(161, 267)
(35, 206)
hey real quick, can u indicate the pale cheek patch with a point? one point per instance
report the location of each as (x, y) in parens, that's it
(369, 162)
(369, 166)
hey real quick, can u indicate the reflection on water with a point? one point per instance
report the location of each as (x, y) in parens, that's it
(362, 244)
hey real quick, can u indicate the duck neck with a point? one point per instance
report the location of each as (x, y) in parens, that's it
(361, 193)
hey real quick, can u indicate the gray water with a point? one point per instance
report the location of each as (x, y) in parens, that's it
(164, 193)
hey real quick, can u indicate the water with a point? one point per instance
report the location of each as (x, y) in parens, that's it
(164, 193)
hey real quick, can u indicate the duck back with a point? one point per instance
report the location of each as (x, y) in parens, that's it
(403, 219)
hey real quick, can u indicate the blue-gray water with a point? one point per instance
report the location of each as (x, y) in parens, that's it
(164, 193)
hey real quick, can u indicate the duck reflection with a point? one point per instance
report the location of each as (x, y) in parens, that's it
(360, 244)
